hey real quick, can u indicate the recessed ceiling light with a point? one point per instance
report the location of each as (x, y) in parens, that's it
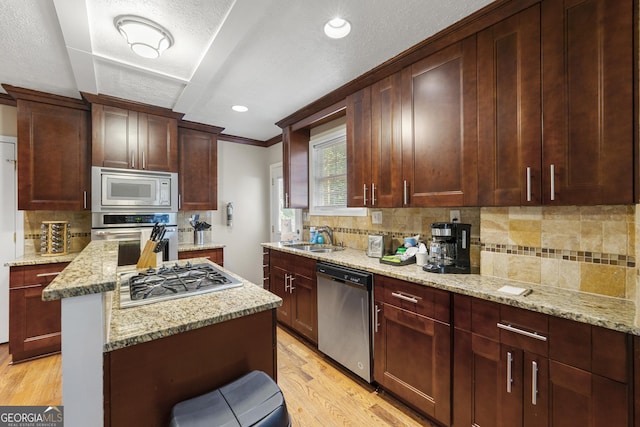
(337, 28)
(145, 37)
(240, 108)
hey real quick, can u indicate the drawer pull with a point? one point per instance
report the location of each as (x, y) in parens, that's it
(377, 315)
(48, 274)
(404, 297)
(509, 372)
(522, 332)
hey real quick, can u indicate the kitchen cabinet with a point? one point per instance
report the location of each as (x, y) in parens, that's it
(293, 278)
(412, 345)
(130, 139)
(214, 255)
(53, 155)
(295, 167)
(359, 148)
(198, 171)
(439, 134)
(509, 107)
(265, 269)
(588, 101)
(34, 325)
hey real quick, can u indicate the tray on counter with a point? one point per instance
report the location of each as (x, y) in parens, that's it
(387, 260)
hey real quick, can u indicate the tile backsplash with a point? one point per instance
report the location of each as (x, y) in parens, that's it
(79, 225)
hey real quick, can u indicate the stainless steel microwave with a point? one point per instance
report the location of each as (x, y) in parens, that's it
(131, 190)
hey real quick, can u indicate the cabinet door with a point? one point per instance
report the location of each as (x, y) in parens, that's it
(304, 312)
(580, 398)
(115, 137)
(198, 172)
(386, 143)
(295, 167)
(416, 363)
(53, 157)
(509, 123)
(157, 143)
(279, 281)
(439, 134)
(587, 68)
(359, 148)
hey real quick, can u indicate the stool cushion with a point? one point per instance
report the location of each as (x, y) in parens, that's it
(253, 400)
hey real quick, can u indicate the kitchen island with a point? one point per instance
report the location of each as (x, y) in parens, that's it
(129, 366)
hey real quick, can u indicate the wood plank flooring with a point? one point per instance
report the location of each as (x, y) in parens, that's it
(317, 391)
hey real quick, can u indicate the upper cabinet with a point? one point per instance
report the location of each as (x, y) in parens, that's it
(128, 139)
(509, 126)
(198, 173)
(588, 101)
(439, 132)
(53, 151)
(359, 148)
(295, 167)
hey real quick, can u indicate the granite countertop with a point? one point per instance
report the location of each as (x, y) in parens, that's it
(135, 325)
(184, 247)
(36, 259)
(92, 271)
(612, 313)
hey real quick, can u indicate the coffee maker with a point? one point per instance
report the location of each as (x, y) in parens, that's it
(449, 248)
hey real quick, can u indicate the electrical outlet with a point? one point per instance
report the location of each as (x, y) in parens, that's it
(454, 215)
(376, 217)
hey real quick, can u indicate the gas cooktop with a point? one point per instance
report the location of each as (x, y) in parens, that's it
(172, 281)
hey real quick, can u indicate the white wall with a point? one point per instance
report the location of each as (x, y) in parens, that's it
(243, 180)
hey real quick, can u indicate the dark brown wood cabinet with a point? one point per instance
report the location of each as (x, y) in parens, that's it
(359, 148)
(53, 156)
(439, 134)
(509, 108)
(588, 101)
(198, 172)
(34, 325)
(130, 139)
(293, 278)
(214, 255)
(295, 167)
(412, 345)
(265, 269)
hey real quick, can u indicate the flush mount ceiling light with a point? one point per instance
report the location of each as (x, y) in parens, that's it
(240, 108)
(145, 37)
(337, 28)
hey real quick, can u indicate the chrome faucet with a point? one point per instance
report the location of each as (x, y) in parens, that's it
(329, 231)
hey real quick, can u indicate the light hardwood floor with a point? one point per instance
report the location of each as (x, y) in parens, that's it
(317, 392)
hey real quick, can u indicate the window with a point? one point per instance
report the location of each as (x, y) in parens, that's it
(328, 172)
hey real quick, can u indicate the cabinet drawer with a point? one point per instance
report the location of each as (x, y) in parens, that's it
(433, 303)
(476, 315)
(30, 275)
(524, 329)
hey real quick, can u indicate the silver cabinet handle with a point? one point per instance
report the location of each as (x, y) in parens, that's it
(364, 194)
(522, 332)
(48, 274)
(377, 322)
(286, 281)
(291, 288)
(552, 169)
(373, 194)
(133, 160)
(179, 201)
(534, 383)
(509, 375)
(144, 166)
(404, 297)
(84, 198)
(286, 200)
(528, 184)
(404, 197)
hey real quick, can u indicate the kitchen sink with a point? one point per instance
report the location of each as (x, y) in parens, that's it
(315, 248)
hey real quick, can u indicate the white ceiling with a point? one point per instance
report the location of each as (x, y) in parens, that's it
(270, 55)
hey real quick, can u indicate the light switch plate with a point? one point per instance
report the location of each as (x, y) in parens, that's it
(376, 217)
(454, 215)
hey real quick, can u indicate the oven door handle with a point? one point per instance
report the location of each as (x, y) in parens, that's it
(114, 233)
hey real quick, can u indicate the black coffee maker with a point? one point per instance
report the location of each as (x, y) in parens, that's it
(449, 248)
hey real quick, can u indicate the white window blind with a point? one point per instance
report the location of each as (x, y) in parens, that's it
(330, 166)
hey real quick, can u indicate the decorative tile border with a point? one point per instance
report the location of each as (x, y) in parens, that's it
(393, 234)
(36, 236)
(564, 254)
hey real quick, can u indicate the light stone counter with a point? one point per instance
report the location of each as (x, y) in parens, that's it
(185, 247)
(613, 313)
(37, 259)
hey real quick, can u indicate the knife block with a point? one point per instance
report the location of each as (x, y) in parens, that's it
(148, 258)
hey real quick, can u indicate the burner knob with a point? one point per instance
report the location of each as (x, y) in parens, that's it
(188, 265)
(151, 270)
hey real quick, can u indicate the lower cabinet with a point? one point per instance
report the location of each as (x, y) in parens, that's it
(34, 325)
(412, 345)
(514, 367)
(214, 255)
(293, 278)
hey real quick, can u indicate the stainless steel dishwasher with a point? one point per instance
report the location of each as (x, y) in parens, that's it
(344, 317)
